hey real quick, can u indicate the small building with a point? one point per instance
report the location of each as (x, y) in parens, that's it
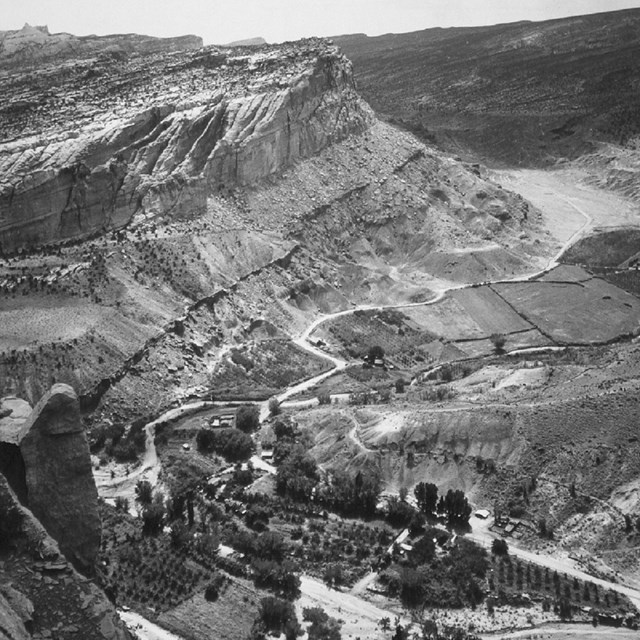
(483, 514)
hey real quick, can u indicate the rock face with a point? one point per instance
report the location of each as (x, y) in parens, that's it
(40, 591)
(159, 133)
(35, 44)
(61, 491)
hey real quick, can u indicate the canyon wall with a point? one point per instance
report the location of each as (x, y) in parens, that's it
(196, 123)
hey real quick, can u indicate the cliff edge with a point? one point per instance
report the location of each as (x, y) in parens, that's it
(87, 146)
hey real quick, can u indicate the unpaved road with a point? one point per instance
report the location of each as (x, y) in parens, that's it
(144, 629)
(565, 632)
(360, 618)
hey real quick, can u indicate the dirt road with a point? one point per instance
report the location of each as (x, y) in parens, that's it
(360, 618)
(566, 632)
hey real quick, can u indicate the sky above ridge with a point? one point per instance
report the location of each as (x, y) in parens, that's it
(222, 21)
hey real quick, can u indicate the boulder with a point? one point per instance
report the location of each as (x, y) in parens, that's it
(61, 491)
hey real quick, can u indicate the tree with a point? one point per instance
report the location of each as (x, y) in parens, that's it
(212, 590)
(322, 626)
(333, 575)
(424, 550)
(403, 493)
(122, 504)
(274, 406)
(375, 353)
(180, 535)
(233, 444)
(457, 507)
(270, 545)
(499, 547)
(297, 474)
(426, 494)
(276, 614)
(384, 623)
(248, 418)
(257, 517)
(324, 398)
(498, 340)
(153, 518)
(144, 492)
(400, 384)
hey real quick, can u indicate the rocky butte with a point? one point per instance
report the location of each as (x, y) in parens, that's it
(46, 461)
(50, 523)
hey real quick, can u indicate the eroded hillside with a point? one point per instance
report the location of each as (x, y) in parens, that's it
(216, 191)
(517, 94)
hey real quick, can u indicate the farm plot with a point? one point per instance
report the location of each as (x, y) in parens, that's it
(229, 617)
(575, 313)
(490, 311)
(469, 314)
(402, 339)
(566, 273)
(609, 249)
(257, 371)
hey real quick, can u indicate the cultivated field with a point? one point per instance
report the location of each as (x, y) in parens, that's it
(575, 313)
(258, 371)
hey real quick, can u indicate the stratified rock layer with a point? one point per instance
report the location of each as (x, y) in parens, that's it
(159, 133)
(61, 491)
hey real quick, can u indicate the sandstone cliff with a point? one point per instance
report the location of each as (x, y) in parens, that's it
(40, 591)
(45, 459)
(88, 146)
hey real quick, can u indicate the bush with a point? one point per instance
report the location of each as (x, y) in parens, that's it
(324, 398)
